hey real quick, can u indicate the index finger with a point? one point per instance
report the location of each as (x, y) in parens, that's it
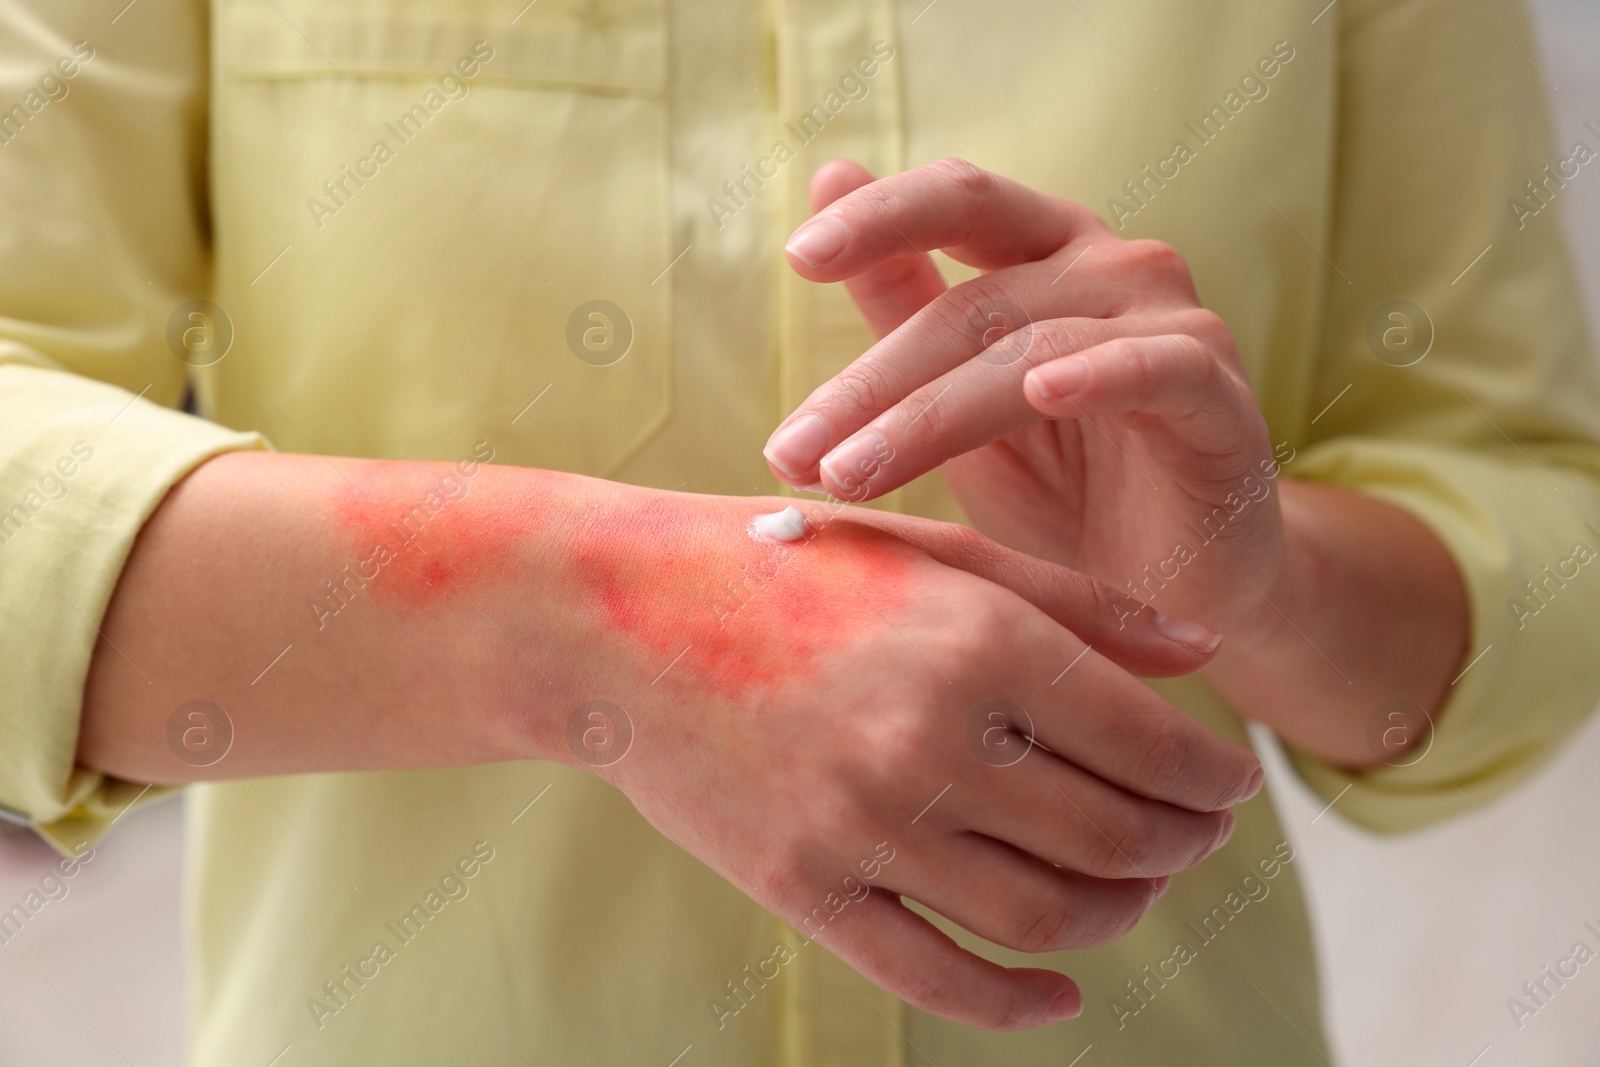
(976, 217)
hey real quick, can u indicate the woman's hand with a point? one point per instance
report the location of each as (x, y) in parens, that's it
(837, 719)
(1084, 405)
(1087, 409)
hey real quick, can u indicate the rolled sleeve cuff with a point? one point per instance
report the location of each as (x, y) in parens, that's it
(83, 465)
(1527, 682)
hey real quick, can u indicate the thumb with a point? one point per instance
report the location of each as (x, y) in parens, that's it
(1126, 631)
(894, 290)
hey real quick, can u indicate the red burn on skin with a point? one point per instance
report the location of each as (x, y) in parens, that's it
(443, 528)
(751, 614)
(726, 611)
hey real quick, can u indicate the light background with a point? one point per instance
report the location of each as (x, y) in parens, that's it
(1422, 938)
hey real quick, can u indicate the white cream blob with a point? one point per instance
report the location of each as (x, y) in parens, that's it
(786, 525)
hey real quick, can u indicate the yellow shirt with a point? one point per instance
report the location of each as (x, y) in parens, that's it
(401, 206)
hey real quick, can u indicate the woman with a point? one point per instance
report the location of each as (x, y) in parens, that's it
(548, 236)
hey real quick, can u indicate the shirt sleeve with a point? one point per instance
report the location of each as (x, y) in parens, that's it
(102, 154)
(1490, 436)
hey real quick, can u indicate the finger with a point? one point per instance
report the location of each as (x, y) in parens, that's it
(1079, 822)
(1020, 901)
(977, 217)
(1116, 626)
(903, 953)
(1001, 315)
(889, 292)
(979, 401)
(1012, 317)
(1125, 733)
(1177, 378)
(1091, 712)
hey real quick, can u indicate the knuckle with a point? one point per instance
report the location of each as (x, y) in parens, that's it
(1109, 613)
(904, 744)
(875, 194)
(974, 182)
(1193, 353)
(1138, 362)
(989, 623)
(964, 308)
(861, 386)
(1195, 339)
(885, 744)
(1012, 1015)
(1214, 382)
(984, 633)
(1113, 607)
(924, 418)
(780, 880)
(1167, 754)
(1042, 929)
(1126, 845)
(1156, 259)
(989, 612)
(981, 312)
(1212, 341)
(964, 543)
(1047, 342)
(1204, 324)
(940, 995)
(930, 991)
(1054, 339)
(1116, 919)
(871, 205)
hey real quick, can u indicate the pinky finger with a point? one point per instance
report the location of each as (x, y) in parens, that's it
(903, 953)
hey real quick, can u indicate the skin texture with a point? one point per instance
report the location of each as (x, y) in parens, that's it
(792, 707)
(1086, 408)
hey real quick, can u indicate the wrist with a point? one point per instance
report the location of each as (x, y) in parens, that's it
(550, 654)
(1276, 594)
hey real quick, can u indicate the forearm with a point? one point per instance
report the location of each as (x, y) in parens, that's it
(1367, 609)
(338, 618)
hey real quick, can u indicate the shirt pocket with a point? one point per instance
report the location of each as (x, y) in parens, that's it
(474, 201)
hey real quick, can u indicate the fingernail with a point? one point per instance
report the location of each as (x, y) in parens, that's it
(1065, 1006)
(1190, 635)
(853, 464)
(818, 241)
(1060, 377)
(795, 448)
